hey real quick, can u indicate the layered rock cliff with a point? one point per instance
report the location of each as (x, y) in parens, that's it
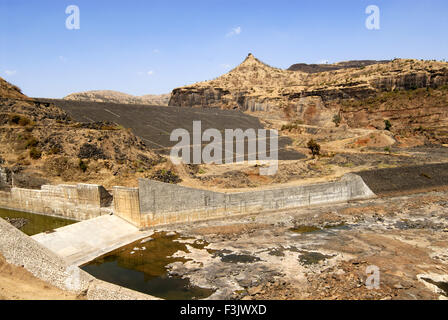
(316, 68)
(254, 86)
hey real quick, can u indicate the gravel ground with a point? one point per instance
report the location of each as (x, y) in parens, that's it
(404, 179)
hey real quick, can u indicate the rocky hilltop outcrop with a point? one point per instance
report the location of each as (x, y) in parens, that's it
(322, 67)
(254, 86)
(8, 90)
(120, 97)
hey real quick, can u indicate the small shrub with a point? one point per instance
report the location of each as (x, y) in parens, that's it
(91, 151)
(166, 176)
(24, 121)
(337, 120)
(31, 143)
(82, 165)
(20, 120)
(54, 150)
(35, 153)
(58, 166)
(14, 119)
(388, 125)
(314, 147)
(290, 126)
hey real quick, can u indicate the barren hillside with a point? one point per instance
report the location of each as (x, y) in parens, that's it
(40, 143)
(8, 90)
(120, 97)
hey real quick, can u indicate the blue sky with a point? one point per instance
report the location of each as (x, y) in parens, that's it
(142, 47)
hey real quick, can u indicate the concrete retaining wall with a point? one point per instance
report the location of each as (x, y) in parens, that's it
(155, 203)
(5, 178)
(158, 197)
(77, 202)
(127, 205)
(162, 203)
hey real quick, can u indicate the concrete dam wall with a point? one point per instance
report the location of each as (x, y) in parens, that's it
(77, 202)
(161, 203)
(156, 203)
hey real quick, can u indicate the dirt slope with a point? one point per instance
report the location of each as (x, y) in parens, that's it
(8, 90)
(16, 283)
(41, 140)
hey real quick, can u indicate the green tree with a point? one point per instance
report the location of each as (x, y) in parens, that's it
(314, 147)
(337, 120)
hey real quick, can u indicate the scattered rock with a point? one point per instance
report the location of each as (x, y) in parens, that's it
(19, 223)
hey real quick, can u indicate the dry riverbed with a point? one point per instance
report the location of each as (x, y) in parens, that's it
(324, 253)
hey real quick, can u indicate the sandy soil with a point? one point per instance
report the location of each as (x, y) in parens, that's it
(16, 283)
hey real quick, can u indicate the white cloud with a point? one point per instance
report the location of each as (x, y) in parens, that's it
(324, 62)
(147, 73)
(10, 72)
(235, 31)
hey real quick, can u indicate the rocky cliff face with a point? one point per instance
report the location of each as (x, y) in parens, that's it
(316, 68)
(254, 86)
(416, 111)
(119, 97)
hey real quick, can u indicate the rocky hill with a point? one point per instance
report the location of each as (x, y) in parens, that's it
(119, 97)
(8, 90)
(317, 98)
(40, 143)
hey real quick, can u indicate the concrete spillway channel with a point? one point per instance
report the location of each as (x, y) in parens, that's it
(84, 241)
(112, 250)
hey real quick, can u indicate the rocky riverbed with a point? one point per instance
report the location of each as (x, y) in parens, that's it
(324, 253)
(19, 223)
